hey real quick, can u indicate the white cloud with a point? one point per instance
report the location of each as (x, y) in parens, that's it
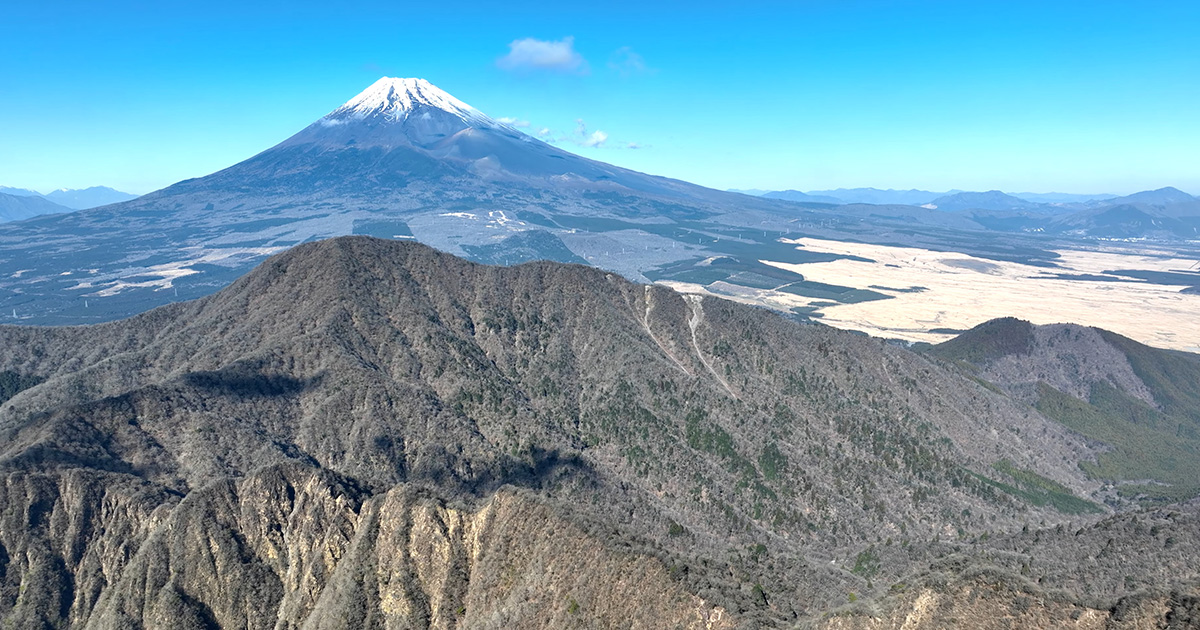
(597, 139)
(513, 122)
(543, 132)
(536, 54)
(627, 63)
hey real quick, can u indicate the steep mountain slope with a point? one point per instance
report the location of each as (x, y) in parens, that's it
(366, 433)
(18, 207)
(1143, 403)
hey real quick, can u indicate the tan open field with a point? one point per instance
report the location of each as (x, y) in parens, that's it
(961, 291)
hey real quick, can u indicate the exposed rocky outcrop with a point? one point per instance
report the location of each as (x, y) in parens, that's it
(991, 604)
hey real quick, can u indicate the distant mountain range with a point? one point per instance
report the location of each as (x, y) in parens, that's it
(80, 199)
(1162, 197)
(796, 195)
(882, 197)
(1166, 213)
(1054, 197)
(915, 197)
(88, 197)
(18, 207)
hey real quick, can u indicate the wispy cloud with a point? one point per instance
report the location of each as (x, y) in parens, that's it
(625, 62)
(536, 54)
(585, 137)
(513, 122)
(596, 138)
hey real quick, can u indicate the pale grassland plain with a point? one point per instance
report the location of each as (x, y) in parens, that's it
(934, 293)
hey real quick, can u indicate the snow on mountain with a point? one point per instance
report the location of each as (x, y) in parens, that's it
(398, 113)
(399, 131)
(398, 99)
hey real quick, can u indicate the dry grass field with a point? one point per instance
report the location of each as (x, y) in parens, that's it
(935, 293)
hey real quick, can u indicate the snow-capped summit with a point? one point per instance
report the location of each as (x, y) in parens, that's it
(399, 112)
(398, 99)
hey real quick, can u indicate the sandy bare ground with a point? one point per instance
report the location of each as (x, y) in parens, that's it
(961, 291)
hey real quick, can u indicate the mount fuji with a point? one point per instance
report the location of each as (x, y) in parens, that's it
(401, 133)
(402, 159)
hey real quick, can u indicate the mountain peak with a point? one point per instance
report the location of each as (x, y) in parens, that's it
(395, 100)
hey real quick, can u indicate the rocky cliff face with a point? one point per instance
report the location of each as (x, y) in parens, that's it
(292, 546)
(365, 433)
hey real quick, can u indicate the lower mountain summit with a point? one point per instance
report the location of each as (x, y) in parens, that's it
(368, 433)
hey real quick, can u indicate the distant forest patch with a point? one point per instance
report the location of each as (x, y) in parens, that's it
(13, 383)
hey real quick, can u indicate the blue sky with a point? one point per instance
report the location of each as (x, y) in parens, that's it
(1021, 96)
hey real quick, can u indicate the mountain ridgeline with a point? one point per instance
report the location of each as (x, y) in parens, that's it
(364, 433)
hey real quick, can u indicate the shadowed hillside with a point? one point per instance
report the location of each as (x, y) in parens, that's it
(1142, 403)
